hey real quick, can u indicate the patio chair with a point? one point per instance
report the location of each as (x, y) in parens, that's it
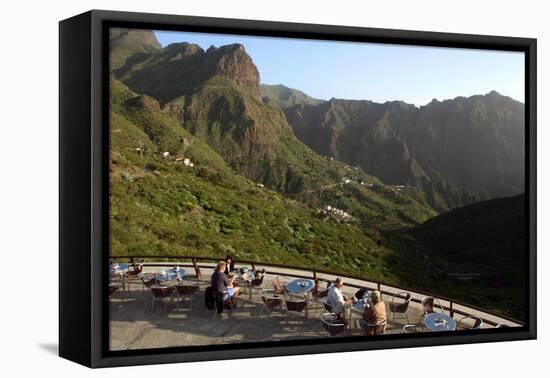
(371, 329)
(465, 323)
(162, 294)
(271, 300)
(258, 281)
(316, 294)
(132, 281)
(279, 286)
(113, 288)
(295, 304)
(147, 281)
(326, 305)
(137, 267)
(332, 324)
(400, 307)
(413, 328)
(259, 273)
(186, 289)
(428, 305)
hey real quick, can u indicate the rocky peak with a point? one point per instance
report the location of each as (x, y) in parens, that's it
(179, 68)
(182, 50)
(233, 63)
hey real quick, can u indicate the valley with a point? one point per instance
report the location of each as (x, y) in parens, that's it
(277, 176)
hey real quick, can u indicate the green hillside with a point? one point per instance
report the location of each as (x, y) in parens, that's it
(201, 163)
(482, 245)
(159, 207)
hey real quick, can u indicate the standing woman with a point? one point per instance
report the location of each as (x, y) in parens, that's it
(229, 264)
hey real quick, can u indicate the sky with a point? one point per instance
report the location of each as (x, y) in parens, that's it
(370, 71)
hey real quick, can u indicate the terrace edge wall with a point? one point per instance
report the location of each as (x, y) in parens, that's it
(75, 180)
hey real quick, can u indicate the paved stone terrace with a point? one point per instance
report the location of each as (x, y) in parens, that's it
(134, 326)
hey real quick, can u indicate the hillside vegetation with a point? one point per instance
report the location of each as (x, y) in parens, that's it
(206, 161)
(447, 154)
(159, 207)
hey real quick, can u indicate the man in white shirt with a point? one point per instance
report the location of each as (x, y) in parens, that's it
(335, 298)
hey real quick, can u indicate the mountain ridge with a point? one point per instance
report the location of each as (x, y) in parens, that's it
(177, 69)
(405, 145)
(258, 191)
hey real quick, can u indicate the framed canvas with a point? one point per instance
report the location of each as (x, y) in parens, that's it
(235, 188)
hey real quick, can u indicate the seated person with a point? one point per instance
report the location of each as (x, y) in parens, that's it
(221, 282)
(335, 298)
(375, 313)
(360, 294)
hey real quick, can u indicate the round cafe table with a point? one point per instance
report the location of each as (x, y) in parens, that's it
(300, 286)
(119, 270)
(358, 308)
(437, 322)
(170, 275)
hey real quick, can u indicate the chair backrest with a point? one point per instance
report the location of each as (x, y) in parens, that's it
(161, 291)
(148, 281)
(410, 328)
(259, 273)
(332, 324)
(270, 298)
(137, 265)
(377, 329)
(295, 304)
(187, 288)
(278, 286)
(477, 323)
(258, 281)
(320, 294)
(327, 306)
(428, 305)
(403, 306)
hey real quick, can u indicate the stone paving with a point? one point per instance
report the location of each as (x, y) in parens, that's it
(134, 326)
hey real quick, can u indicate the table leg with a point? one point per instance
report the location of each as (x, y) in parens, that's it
(307, 305)
(123, 280)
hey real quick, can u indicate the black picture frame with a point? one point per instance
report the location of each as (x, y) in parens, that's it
(84, 170)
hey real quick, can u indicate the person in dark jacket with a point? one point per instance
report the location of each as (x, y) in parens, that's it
(222, 283)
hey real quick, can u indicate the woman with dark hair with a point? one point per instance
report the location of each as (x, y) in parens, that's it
(229, 264)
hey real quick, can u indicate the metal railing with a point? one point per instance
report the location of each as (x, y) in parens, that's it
(195, 263)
